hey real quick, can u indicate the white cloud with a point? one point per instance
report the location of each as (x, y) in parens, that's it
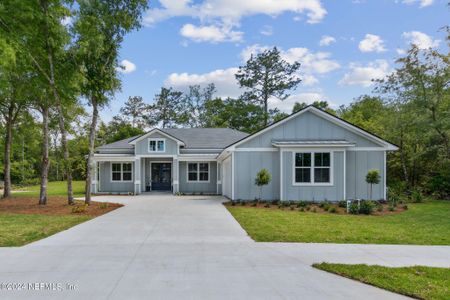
(211, 34)
(372, 43)
(363, 75)
(267, 30)
(224, 80)
(228, 13)
(126, 67)
(420, 39)
(423, 3)
(327, 40)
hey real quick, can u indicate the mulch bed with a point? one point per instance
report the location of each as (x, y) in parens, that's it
(317, 209)
(54, 206)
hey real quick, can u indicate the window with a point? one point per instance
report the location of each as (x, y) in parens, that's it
(156, 145)
(198, 172)
(121, 172)
(312, 168)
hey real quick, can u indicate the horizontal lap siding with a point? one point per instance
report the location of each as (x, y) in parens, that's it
(107, 186)
(247, 165)
(198, 187)
(358, 164)
(313, 193)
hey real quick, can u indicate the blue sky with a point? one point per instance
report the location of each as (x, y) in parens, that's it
(341, 44)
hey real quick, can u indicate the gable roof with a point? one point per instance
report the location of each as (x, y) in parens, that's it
(191, 138)
(326, 115)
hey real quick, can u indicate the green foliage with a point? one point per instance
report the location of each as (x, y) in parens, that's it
(263, 177)
(354, 209)
(366, 207)
(78, 209)
(373, 177)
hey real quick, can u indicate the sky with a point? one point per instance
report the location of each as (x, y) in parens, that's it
(341, 44)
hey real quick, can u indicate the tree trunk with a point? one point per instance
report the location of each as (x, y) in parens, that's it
(91, 149)
(7, 154)
(45, 160)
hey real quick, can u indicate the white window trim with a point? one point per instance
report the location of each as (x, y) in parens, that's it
(198, 171)
(312, 183)
(156, 140)
(121, 172)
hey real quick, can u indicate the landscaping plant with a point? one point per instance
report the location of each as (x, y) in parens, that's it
(372, 177)
(262, 178)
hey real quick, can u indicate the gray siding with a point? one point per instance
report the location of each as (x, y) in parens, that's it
(141, 147)
(313, 193)
(198, 187)
(226, 177)
(358, 164)
(306, 126)
(107, 186)
(247, 165)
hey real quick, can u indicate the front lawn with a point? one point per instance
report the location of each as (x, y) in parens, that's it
(55, 188)
(417, 281)
(422, 224)
(23, 221)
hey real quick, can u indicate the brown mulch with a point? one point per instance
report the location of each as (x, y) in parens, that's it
(54, 206)
(311, 207)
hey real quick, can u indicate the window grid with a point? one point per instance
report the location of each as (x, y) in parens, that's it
(312, 168)
(198, 172)
(121, 172)
(156, 145)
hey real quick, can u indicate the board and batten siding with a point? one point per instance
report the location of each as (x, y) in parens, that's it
(306, 126)
(198, 187)
(171, 147)
(358, 164)
(108, 186)
(247, 165)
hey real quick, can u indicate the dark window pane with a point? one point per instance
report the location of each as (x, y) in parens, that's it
(152, 145)
(116, 167)
(302, 159)
(160, 145)
(203, 176)
(116, 176)
(322, 159)
(192, 167)
(302, 175)
(127, 176)
(204, 167)
(126, 167)
(321, 175)
(192, 176)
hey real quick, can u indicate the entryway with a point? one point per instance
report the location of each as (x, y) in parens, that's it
(161, 176)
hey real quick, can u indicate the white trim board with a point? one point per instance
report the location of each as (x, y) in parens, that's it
(198, 172)
(156, 130)
(312, 167)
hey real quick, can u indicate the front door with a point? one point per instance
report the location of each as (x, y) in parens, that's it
(161, 176)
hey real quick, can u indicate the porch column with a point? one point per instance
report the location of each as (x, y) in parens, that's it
(175, 173)
(137, 176)
(94, 177)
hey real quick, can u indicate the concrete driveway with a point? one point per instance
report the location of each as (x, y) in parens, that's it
(166, 247)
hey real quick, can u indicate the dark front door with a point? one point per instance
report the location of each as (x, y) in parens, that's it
(161, 176)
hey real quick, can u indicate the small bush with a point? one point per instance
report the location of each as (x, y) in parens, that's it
(342, 204)
(380, 208)
(301, 209)
(308, 208)
(275, 202)
(243, 203)
(302, 204)
(254, 203)
(103, 205)
(332, 210)
(78, 209)
(353, 209)
(391, 207)
(292, 207)
(405, 207)
(267, 205)
(314, 210)
(366, 207)
(233, 203)
(416, 196)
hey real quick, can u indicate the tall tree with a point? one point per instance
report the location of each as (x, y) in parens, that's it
(194, 104)
(137, 110)
(167, 108)
(268, 75)
(100, 28)
(323, 105)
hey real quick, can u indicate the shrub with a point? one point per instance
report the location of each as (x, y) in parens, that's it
(366, 207)
(267, 205)
(233, 203)
(308, 208)
(380, 208)
(342, 204)
(243, 203)
(314, 210)
(417, 196)
(391, 208)
(292, 207)
(78, 209)
(262, 178)
(103, 205)
(301, 209)
(332, 210)
(302, 204)
(354, 209)
(255, 203)
(405, 207)
(372, 177)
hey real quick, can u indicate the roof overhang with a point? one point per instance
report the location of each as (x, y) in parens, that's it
(312, 143)
(156, 130)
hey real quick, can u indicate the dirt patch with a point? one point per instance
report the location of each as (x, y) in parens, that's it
(54, 206)
(317, 208)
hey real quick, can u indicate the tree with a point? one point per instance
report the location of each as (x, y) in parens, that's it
(267, 75)
(263, 178)
(323, 105)
(137, 110)
(372, 177)
(167, 108)
(193, 104)
(117, 129)
(100, 28)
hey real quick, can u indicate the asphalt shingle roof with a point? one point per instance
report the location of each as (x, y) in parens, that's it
(194, 138)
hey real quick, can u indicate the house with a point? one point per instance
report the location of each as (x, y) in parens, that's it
(311, 155)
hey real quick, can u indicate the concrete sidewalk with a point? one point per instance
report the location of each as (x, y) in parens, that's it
(166, 247)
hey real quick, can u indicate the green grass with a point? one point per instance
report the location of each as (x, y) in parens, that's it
(55, 188)
(417, 281)
(21, 229)
(422, 224)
